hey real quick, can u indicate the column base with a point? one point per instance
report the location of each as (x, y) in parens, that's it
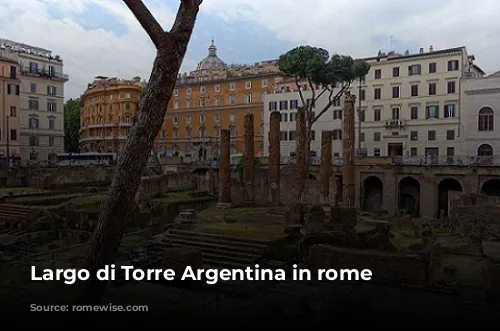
(224, 205)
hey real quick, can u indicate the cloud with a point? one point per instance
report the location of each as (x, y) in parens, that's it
(360, 27)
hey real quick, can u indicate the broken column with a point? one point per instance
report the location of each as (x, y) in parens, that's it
(348, 142)
(325, 171)
(248, 160)
(274, 158)
(225, 170)
(300, 154)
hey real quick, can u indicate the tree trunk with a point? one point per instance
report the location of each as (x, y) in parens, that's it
(115, 213)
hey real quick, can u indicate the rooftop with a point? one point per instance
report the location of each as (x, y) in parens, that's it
(103, 82)
(14, 46)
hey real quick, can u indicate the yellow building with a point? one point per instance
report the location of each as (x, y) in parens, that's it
(213, 97)
(108, 107)
(9, 108)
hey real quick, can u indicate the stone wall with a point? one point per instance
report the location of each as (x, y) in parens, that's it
(88, 175)
(477, 213)
(385, 267)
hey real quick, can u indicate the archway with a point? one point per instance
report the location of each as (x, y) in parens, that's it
(373, 194)
(444, 188)
(312, 177)
(485, 150)
(491, 187)
(409, 196)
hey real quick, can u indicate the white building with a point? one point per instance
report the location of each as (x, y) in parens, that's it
(42, 99)
(410, 107)
(482, 118)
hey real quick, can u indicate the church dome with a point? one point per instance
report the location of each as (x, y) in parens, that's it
(212, 61)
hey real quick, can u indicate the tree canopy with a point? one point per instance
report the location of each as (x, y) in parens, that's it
(71, 125)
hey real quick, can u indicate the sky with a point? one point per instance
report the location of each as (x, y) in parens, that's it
(102, 38)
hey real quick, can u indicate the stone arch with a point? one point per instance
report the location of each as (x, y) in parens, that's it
(485, 150)
(485, 119)
(373, 190)
(491, 187)
(312, 177)
(444, 188)
(409, 196)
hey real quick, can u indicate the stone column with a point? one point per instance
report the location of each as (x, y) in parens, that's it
(348, 142)
(300, 154)
(274, 158)
(325, 171)
(248, 160)
(225, 170)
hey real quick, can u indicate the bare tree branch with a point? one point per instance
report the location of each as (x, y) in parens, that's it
(330, 102)
(147, 20)
(300, 91)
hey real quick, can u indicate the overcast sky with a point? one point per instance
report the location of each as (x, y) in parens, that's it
(101, 37)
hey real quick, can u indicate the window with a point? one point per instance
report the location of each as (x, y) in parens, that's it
(33, 67)
(175, 132)
(293, 117)
(432, 67)
(203, 89)
(33, 123)
(451, 87)
(232, 99)
(336, 102)
(362, 95)
(13, 89)
(51, 90)
(413, 151)
(51, 141)
(376, 152)
(51, 106)
(33, 104)
(188, 91)
(362, 136)
(202, 118)
(13, 72)
(450, 151)
(216, 131)
(175, 119)
(232, 117)
(414, 90)
(450, 134)
(232, 86)
(449, 110)
(485, 119)
(217, 100)
(361, 115)
(127, 119)
(337, 134)
(248, 85)
(337, 114)
(313, 135)
(163, 133)
(283, 105)
(395, 72)
(13, 111)
(432, 88)
(294, 104)
(415, 69)
(248, 98)
(217, 117)
(188, 103)
(414, 112)
(33, 87)
(453, 65)
(395, 92)
(291, 135)
(485, 150)
(188, 119)
(51, 124)
(283, 135)
(378, 74)
(395, 113)
(217, 88)
(377, 114)
(377, 93)
(264, 83)
(13, 134)
(176, 104)
(432, 112)
(176, 92)
(34, 141)
(283, 117)
(414, 135)
(431, 135)
(376, 136)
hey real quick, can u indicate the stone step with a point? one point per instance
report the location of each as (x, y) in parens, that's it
(220, 237)
(229, 257)
(213, 251)
(218, 263)
(228, 241)
(222, 246)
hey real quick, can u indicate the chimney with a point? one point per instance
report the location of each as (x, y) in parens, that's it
(431, 48)
(421, 50)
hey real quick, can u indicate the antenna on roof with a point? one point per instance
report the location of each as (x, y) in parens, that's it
(391, 43)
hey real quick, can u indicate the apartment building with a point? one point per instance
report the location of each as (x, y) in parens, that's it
(213, 97)
(9, 108)
(481, 118)
(41, 99)
(108, 107)
(409, 106)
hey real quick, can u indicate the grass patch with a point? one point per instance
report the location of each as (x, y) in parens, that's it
(244, 230)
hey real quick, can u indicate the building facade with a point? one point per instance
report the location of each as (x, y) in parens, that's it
(108, 107)
(10, 102)
(41, 99)
(409, 107)
(482, 118)
(214, 97)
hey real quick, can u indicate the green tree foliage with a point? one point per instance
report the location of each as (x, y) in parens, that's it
(71, 125)
(315, 67)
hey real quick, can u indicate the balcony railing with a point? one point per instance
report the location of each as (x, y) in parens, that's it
(44, 73)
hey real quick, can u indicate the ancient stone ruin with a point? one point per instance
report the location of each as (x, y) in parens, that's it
(274, 158)
(225, 170)
(248, 160)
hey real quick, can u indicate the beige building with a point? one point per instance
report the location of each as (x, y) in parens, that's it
(482, 118)
(9, 108)
(41, 99)
(410, 107)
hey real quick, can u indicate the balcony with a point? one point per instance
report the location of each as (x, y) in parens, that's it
(394, 124)
(28, 71)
